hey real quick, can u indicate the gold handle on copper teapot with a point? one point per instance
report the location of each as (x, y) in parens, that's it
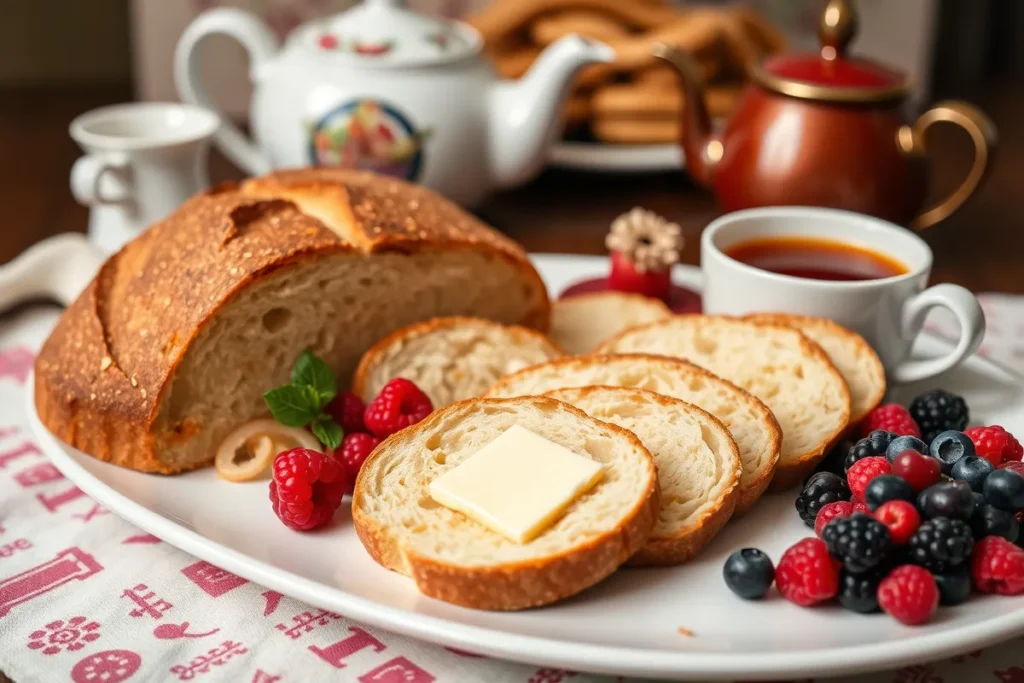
(983, 135)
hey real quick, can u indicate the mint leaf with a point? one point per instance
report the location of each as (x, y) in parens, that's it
(292, 406)
(310, 371)
(327, 431)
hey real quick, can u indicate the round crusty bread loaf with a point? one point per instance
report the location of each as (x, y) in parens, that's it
(751, 424)
(175, 341)
(778, 364)
(856, 361)
(450, 358)
(453, 558)
(580, 323)
(698, 465)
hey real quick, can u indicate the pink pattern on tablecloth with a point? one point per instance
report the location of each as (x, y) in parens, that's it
(60, 635)
(109, 666)
(146, 602)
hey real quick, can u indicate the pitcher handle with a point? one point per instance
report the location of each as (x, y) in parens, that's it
(983, 135)
(261, 45)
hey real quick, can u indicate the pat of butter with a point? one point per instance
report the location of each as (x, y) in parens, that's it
(517, 485)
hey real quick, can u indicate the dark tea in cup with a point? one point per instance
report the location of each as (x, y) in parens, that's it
(815, 259)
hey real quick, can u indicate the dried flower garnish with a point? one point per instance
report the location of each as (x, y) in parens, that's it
(645, 238)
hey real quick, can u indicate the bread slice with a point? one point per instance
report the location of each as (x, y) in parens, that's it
(450, 358)
(778, 364)
(698, 465)
(749, 421)
(452, 558)
(174, 342)
(581, 322)
(856, 361)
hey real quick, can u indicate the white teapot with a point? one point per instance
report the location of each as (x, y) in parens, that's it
(383, 88)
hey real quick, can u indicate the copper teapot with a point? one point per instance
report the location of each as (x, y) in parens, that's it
(824, 130)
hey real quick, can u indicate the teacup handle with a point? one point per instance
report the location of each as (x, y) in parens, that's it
(101, 179)
(983, 136)
(967, 310)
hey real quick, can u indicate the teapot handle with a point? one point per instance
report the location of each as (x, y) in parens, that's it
(261, 45)
(983, 135)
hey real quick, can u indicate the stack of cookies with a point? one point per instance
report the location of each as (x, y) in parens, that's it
(636, 99)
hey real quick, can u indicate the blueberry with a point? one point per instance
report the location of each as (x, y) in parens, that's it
(1005, 490)
(953, 499)
(949, 446)
(886, 487)
(954, 588)
(905, 443)
(749, 573)
(971, 469)
(989, 520)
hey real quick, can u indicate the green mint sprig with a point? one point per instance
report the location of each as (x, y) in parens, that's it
(302, 403)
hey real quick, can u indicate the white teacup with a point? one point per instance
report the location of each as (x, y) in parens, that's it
(888, 312)
(142, 161)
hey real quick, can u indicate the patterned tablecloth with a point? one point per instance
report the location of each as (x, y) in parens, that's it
(86, 597)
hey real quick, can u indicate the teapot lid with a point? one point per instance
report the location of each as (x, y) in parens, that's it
(386, 33)
(831, 75)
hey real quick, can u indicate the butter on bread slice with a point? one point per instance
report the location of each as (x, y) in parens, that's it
(453, 558)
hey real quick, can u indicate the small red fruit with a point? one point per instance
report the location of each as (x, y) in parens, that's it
(997, 566)
(901, 517)
(347, 410)
(863, 471)
(892, 417)
(909, 594)
(399, 404)
(625, 277)
(307, 488)
(839, 508)
(807, 574)
(860, 506)
(920, 471)
(355, 449)
(327, 41)
(995, 444)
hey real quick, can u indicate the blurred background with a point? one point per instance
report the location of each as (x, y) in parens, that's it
(59, 58)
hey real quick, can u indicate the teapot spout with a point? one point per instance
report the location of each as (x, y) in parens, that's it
(525, 114)
(700, 146)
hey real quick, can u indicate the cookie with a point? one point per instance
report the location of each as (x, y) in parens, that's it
(596, 25)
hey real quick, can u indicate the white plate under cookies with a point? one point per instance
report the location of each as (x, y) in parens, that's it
(609, 158)
(628, 625)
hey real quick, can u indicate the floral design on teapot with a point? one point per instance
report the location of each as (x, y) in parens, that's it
(369, 135)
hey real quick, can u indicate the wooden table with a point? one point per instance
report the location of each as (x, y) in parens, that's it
(980, 247)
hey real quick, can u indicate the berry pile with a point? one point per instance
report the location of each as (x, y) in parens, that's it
(915, 514)
(308, 486)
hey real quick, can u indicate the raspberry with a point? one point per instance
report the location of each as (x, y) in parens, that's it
(859, 506)
(307, 488)
(901, 517)
(995, 444)
(347, 410)
(920, 471)
(909, 595)
(941, 544)
(806, 574)
(861, 542)
(840, 508)
(998, 566)
(891, 417)
(399, 404)
(355, 449)
(863, 471)
(939, 411)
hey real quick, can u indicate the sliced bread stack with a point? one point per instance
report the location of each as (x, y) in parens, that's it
(749, 421)
(452, 558)
(697, 460)
(582, 322)
(856, 361)
(791, 374)
(450, 359)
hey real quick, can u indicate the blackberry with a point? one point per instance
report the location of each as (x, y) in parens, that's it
(835, 461)
(821, 489)
(874, 444)
(940, 545)
(859, 592)
(861, 542)
(938, 411)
